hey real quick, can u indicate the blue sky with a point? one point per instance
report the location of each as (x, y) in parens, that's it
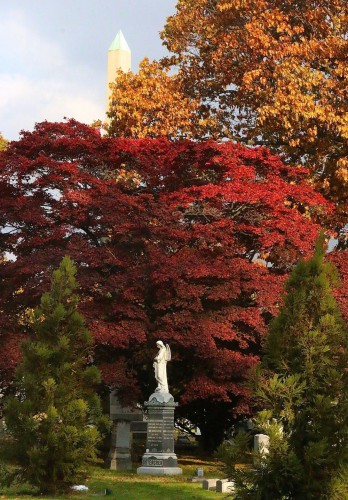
(53, 55)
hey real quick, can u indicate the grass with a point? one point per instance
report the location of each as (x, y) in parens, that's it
(128, 485)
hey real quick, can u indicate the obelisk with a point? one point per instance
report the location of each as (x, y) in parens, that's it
(119, 57)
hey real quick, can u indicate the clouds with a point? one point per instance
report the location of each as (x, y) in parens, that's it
(26, 51)
(39, 81)
(53, 55)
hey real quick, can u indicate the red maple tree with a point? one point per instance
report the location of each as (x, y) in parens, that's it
(185, 242)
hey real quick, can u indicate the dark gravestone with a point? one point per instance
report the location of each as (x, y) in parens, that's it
(138, 430)
(140, 427)
(159, 458)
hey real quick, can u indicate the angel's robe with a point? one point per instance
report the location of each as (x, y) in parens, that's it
(160, 365)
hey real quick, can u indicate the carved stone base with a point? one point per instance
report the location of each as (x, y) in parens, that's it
(159, 458)
(160, 471)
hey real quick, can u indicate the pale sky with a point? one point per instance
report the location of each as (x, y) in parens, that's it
(53, 55)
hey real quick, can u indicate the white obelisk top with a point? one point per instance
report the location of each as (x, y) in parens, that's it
(119, 43)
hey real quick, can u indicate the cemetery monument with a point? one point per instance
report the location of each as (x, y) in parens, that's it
(159, 458)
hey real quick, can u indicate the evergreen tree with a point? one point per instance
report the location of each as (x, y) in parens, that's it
(302, 387)
(52, 418)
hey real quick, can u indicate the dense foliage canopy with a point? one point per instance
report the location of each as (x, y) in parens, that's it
(185, 242)
(270, 72)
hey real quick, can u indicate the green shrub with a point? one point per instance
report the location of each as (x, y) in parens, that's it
(302, 385)
(53, 418)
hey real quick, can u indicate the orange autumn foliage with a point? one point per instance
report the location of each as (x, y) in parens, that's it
(150, 103)
(3, 142)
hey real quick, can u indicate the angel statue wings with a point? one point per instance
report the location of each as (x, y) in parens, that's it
(160, 366)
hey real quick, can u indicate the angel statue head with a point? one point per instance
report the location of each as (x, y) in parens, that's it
(160, 366)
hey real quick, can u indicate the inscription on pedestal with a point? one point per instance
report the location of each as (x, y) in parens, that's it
(155, 463)
(160, 430)
(160, 457)
(154, 435)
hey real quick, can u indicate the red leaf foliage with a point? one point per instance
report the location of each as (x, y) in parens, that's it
(340, 260)
(185, 242)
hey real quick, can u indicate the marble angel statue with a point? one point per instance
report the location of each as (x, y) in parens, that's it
(160, 366)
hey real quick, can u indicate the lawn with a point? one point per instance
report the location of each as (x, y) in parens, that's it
(131, 486)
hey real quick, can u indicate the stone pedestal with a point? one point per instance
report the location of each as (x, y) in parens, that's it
(159, 458)
(120, 450)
